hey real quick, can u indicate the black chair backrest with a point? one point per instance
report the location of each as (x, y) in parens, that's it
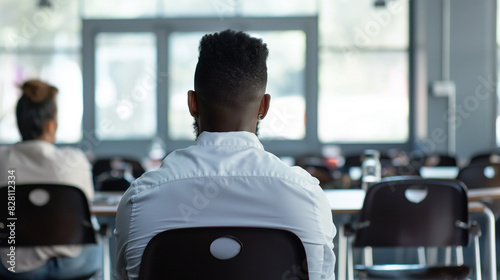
(186, 254)
(440, 160)
(113, 184)
(44, 215)
(485, 158)
(414, 212)
(480, 176)
(103, 165)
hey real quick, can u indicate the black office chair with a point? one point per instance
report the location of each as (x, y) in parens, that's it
(389, 169)
(440, 160)
(115, 174)
(113, 184)
(250, 253)
(45, 215)
(404, 212)
(103, 165)
(483, 158)
(480, 176)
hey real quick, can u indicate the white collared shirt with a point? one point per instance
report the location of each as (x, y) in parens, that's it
(225, 179)
(37, 161)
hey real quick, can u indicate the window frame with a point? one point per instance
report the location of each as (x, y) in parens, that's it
(162, 27)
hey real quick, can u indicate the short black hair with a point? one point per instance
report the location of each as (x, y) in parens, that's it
(231, 68)
(36, 106)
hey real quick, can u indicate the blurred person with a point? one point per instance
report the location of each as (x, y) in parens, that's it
(37, 160)
(226, 178)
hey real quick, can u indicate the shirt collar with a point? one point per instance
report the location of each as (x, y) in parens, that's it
(35, 147)
(234, 138)
(37, 144)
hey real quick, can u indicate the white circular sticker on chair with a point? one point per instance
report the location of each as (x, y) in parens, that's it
(39, 197)
(416, 194)
(489, 172)
(225, 248)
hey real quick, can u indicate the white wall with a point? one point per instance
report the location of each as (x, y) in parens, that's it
(472, 65)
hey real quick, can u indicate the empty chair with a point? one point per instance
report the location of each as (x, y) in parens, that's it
(115, 174)
(390, 168)
(438, 166)
(440, 160)
(243, 253)
(46, 215)
(319, 168)
(480, 176)
(485, 158)
(107, 165)
(414, 213)
(113, 184)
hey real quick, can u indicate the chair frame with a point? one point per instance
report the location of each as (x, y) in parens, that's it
(471, 229)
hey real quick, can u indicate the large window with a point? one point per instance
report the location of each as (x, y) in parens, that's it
(138, 73)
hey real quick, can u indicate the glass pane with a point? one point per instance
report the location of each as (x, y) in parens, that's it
(125, 93)
(183, 56)
(286, 64)
(119, 8)
(361, 24)
(16, 68)
(286, 85)
(26, 24)
(363, 97)
(278, 7)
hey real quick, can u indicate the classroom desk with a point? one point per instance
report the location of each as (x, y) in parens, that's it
(105, 203)
(350, 201)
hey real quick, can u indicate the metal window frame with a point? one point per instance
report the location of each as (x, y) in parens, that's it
(162, 28)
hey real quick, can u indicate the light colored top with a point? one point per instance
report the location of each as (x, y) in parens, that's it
(38, 161)
(225, 179)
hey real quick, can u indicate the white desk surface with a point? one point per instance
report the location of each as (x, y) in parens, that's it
(351, 200)
(341, 201)
(105, 203)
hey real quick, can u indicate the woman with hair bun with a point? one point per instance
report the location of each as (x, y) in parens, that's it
(37, 160)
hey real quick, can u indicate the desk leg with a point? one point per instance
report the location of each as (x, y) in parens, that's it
(106, 264)
(488, 235)
(107, 238)
(490, 244)
(341, 258)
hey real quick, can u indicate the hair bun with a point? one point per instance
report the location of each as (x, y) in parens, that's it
(38, 91)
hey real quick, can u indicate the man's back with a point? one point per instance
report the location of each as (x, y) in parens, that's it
(225, 179)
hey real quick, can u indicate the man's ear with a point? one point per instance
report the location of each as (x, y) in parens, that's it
(50, 126)
(193, 103)
(264, 105)
(49, 130)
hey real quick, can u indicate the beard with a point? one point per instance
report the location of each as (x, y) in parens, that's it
(196, 129)
(197, 132)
